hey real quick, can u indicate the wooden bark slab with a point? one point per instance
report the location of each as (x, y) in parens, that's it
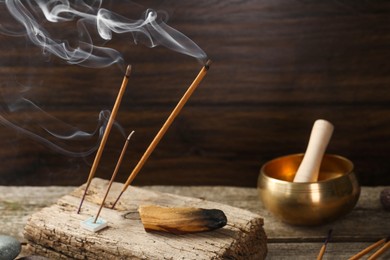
(55, 231)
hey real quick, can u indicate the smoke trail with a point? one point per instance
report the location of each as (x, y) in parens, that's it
(41, 21)
(58, 129)
(149, 30)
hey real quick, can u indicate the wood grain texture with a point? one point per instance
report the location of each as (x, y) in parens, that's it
(18, 203)
(285, 251)
(364, 226)
(55, 231)
(277, 67)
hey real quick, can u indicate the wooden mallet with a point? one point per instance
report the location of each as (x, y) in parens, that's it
(309, 168)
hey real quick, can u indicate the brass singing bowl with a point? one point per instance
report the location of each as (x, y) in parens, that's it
(311, 203)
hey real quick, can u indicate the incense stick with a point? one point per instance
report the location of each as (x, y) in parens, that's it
(323, 248)
(370, 248)
(164, 128)
(380, 251)
(114, 174)
(106, 133)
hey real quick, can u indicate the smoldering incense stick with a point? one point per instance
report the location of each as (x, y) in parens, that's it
(114, 174)
(323, 248)
(165, 127)
(106, 133)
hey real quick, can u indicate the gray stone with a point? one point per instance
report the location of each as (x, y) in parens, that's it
(9, 247)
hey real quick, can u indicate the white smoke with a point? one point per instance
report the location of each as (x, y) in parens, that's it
(150, 30)
(57, 129)
(42, 22)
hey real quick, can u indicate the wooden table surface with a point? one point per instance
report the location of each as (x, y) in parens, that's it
(367, 223)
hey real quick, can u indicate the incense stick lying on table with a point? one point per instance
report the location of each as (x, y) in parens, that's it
(386, 245)
(164, 128)
(380, 251)
(106, 133)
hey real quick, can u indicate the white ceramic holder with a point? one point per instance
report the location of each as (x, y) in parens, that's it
(319, 138)
(90, 225)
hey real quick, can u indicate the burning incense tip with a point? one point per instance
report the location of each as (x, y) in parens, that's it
(106, 134)
(129, 137)
(128, 71)
(207, 64)
(114, 174)
(165, 127)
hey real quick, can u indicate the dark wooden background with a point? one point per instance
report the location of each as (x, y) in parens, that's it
(277, 67)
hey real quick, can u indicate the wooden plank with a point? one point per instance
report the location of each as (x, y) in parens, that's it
(303, 251)
(55, 231)
(267, 47)
(195, 150)
(18, 203)
(365, 223)
(276, 70)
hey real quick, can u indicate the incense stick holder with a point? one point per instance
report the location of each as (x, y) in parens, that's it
(55, 232)
(91, 225)
(308, 203)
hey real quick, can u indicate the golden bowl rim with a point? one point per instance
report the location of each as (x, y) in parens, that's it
(344, 175)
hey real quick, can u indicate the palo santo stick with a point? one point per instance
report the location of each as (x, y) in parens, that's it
(181, 220)
(164, 128)
(323, 248)
(106, 133)
(114, 174)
